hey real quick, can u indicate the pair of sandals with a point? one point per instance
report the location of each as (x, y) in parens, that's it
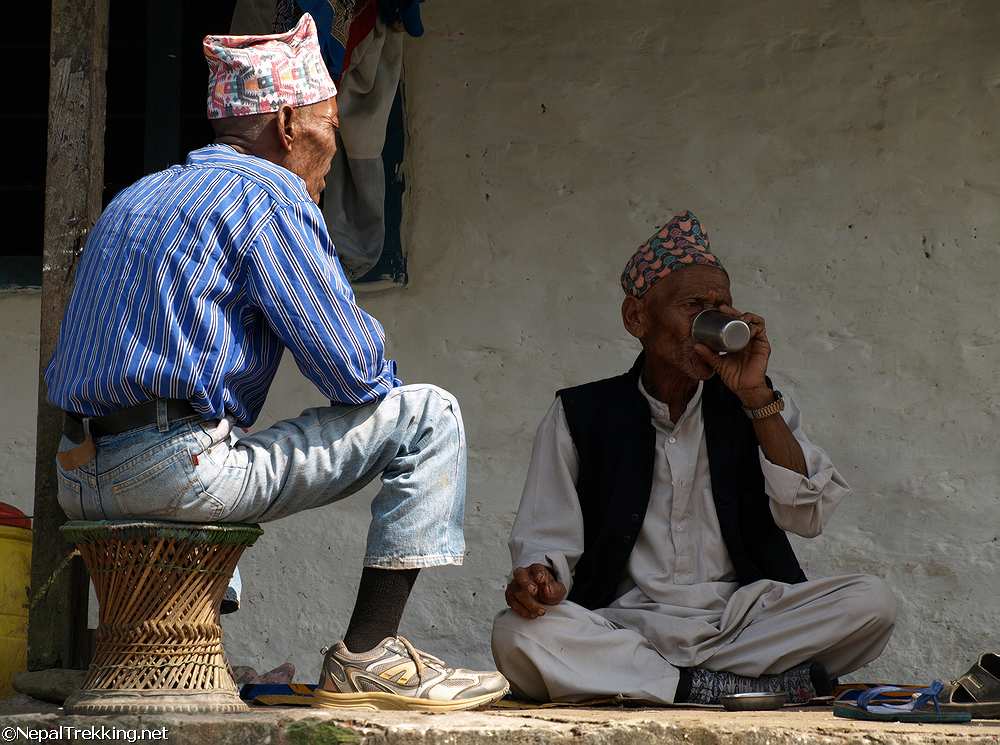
(975, 695)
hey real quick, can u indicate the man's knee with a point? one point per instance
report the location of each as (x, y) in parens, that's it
(434, 400)
(510, 632)
(430, 394)
(873, 603)
(524, 638)
(515, 651)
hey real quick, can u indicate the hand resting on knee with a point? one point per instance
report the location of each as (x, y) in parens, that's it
(532, 588)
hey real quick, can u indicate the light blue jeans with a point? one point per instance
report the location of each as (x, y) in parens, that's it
(189, 472)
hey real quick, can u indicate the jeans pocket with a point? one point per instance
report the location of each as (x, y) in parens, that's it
(69, 493)
(221, 478)
(201, 507)
(157, 490)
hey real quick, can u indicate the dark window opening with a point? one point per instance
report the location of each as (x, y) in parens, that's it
(156, 88)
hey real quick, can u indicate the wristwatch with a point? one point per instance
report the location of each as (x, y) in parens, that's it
(775, 407)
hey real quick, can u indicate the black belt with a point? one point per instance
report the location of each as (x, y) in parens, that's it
(124, 419)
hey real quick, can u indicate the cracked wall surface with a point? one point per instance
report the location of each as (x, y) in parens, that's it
(843, 157)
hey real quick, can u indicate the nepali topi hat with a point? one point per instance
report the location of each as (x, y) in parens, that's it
(260, 74)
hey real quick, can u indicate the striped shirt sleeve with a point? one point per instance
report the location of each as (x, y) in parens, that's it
(295, 279)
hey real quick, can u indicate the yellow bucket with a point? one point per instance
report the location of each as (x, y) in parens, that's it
(15, 581)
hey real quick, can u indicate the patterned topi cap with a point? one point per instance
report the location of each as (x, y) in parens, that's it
(259, 74)
(679, 243)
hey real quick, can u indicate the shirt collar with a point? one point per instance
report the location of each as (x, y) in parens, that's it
(661, 411)
(215, 152)
(211, 152)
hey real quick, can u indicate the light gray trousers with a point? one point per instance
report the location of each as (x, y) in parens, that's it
(572, 654)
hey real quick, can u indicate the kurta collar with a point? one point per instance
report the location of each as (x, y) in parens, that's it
(661, 411)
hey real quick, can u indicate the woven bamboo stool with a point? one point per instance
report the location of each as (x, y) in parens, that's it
(159, 643)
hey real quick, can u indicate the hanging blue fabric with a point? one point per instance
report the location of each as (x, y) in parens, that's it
(333, 51)
(333, 30)
(405, 12)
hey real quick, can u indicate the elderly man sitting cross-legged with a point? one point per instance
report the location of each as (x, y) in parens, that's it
(649, 549)
(193, 282)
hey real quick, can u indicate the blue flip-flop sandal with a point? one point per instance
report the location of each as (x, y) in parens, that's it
(883, 704)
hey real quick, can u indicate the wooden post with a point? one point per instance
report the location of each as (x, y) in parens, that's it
(74, 181)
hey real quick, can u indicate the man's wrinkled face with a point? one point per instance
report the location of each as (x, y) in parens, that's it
(662, 318)
(315, 144)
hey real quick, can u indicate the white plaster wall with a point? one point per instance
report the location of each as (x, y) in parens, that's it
(19, 318)
(843, 155)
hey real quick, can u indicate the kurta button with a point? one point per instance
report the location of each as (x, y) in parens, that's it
(627, 539)
(672, 440)
(635, 517)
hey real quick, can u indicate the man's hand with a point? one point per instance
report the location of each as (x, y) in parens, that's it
(743, 372)
(532, 588)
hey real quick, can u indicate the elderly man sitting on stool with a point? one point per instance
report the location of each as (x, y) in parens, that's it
(649, 549)
(192, 284)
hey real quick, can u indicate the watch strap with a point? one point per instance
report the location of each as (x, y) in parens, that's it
(775, 407)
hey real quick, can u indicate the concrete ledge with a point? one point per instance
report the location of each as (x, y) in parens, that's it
(606, 726)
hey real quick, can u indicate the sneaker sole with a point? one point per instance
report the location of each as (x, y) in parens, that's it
(397, 702)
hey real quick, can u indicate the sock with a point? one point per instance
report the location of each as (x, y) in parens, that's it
(821, 680)
(700, 686)
(382, 596)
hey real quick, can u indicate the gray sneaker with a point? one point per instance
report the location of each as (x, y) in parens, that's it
(396, 675)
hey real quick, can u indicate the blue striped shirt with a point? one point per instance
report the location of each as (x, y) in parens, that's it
(194, 280)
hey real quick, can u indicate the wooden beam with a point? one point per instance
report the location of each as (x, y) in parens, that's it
(74, 180)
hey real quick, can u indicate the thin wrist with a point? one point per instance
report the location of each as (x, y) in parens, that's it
(756, 398)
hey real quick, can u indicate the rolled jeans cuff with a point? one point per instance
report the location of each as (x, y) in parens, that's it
(414, 562)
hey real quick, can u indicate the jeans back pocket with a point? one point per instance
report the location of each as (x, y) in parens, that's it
(157, 490)
(69, 495)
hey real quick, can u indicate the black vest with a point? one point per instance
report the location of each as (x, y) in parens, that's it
(609, 421)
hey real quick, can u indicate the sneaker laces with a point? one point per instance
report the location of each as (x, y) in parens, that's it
(419, 658)
(415, 654)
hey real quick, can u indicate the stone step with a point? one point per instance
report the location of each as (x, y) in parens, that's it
(559, 726)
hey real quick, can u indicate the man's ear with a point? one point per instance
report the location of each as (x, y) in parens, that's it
(634, 316)
(286, 123)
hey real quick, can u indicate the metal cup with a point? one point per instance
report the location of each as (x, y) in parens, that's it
(720, 332)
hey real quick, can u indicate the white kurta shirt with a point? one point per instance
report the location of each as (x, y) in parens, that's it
(680, 588)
